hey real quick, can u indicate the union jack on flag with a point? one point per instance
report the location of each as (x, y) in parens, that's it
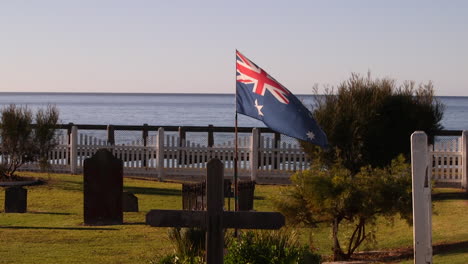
(260, 96)
(262, 81)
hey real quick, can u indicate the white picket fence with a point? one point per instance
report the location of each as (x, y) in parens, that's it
(448, 159)
(166, 157)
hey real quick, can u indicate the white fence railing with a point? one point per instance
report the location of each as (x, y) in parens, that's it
(166, 156)
(449, 161)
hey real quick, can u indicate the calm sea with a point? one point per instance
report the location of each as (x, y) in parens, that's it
(174, 109)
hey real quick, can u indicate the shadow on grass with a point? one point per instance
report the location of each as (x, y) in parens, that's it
(78, 186)
(401, 254)
(135, 223)
(450, 196)
(69, 186)
(450, 248)
(58, 228)
(49, 213)
(152, 191)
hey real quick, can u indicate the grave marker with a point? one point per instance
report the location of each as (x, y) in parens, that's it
(129, 202)
(215, 220)
(103, 187)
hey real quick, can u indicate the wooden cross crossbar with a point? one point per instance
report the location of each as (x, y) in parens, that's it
(241, 220)
(214, 220)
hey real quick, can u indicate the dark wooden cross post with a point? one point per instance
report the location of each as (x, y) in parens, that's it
(215, 220)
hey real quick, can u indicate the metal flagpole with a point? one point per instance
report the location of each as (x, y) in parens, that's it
(236, 178)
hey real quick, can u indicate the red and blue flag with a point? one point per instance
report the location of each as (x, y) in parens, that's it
(260, 96)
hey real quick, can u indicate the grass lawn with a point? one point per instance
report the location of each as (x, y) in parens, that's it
(52, 230)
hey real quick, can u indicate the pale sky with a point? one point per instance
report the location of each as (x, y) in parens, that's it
(189, 46)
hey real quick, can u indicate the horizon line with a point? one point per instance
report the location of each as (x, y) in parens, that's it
(143, 93)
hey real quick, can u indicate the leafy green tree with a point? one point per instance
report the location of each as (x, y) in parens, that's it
(371, 120)
(337, 196)
(22, 142)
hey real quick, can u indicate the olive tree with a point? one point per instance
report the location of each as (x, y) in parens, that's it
(23, 142)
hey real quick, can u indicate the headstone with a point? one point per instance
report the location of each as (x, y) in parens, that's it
(129, 202)
(103, 187)
(16, 199)
(194, 194)
(246, 195)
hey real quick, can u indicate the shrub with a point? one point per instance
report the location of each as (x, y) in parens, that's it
(189, 246)
(269, 247)
(370, 120)
(21, 142)
(335, 195)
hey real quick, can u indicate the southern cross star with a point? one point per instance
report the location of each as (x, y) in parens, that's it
(259, 108)
(311, 135)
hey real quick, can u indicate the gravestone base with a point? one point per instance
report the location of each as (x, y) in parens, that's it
(129, 202)
(16, 199)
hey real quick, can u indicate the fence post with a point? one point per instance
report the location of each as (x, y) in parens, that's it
(276, 145)
(160, 152)
(422, 205)
(210, 136)
(74, 149)
(254, 155)
(110, 135)
(145, 142)
(464, 140)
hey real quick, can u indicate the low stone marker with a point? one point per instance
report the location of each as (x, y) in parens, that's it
(129, 202)
(103, 187)
(246, 195)
(16, 199)
(214, 220)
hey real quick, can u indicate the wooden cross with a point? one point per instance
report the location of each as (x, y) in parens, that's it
(214, 220)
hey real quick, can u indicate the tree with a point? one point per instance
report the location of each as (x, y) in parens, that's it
(368, 123)
(336, 196)
(370, 120)
(22, 142)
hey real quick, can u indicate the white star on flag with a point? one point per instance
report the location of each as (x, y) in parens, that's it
(259, 108)
(311, 135)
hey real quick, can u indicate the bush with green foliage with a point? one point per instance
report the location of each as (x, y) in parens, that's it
(335, 195)
(269, 247)
(21, 142)
(189, 246)
(371, 120)
(253, 247)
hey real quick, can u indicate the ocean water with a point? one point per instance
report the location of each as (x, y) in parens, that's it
(175, 109)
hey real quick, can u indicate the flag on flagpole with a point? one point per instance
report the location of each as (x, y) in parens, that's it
(260, 96)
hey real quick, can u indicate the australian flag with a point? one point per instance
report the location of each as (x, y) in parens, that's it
(260, 96)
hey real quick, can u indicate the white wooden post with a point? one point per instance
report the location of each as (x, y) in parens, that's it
(160, 152)
(254, 154)
(74, 150)
(422, 205)
(464, 149)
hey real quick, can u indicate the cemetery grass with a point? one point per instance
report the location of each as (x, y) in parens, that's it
(52, 230)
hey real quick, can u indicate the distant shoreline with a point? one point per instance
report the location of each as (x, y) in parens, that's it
(156, 94)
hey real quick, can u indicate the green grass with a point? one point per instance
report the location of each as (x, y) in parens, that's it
(52, 230)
